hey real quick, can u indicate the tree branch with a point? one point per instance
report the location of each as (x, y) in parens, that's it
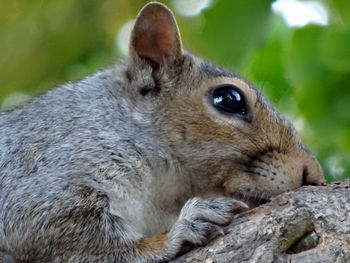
(311, 224)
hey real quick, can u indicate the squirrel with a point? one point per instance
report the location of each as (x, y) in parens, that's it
(143, 160)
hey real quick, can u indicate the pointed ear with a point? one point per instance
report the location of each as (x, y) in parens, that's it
(155, 36)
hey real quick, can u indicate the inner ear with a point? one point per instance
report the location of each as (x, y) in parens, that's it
(155, 36)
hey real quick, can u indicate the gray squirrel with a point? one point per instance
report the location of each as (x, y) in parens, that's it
(142, 159)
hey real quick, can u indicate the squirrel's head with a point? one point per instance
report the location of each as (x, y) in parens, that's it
(222, 130)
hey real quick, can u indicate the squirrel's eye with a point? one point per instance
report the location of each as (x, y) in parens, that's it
(228, 98)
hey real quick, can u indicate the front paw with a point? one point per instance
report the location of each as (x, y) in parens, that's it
(202, 220)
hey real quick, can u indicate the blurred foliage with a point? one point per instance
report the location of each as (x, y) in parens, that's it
(304, 71)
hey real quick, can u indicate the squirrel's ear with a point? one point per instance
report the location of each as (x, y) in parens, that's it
(155, 36)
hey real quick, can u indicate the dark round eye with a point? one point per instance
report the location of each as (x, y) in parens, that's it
(229, 98)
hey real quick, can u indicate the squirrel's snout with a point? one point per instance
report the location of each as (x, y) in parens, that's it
(312, 172)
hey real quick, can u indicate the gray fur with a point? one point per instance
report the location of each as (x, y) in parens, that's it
(91, 170)
(60, 156)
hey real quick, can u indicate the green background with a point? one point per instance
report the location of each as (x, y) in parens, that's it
(304, 71)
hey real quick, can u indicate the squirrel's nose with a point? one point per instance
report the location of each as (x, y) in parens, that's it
(312, 172)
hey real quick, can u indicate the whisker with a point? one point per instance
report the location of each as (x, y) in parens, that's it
(259, 147)
(282, 134)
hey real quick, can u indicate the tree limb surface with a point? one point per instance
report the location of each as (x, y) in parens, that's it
(311, 224)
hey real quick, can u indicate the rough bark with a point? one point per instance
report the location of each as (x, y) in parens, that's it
(311, 224)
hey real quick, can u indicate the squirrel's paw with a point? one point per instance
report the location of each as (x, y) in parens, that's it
(202, 220)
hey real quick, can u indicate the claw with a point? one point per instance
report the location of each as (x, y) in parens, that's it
(239, 206)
